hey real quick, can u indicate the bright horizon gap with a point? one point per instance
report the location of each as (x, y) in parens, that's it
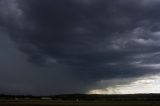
(144, 85)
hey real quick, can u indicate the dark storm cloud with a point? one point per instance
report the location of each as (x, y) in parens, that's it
(92, 40)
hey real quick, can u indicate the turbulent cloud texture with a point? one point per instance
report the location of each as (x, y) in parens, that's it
(67, 46)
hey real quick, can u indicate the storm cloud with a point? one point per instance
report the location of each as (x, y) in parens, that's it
(67, 46)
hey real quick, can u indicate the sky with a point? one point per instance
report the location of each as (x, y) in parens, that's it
(50, 47)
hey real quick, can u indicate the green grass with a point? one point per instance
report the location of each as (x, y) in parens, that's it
(81, 103)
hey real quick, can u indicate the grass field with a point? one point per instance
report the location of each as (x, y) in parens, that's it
(80, 103)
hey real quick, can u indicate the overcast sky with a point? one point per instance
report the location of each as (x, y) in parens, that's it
(79, 46)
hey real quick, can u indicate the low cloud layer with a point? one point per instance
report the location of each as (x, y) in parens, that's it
(61, 46)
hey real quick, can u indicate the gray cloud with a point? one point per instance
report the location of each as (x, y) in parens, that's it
(80, 42)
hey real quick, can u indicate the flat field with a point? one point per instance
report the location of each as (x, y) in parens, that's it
(80, 103)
